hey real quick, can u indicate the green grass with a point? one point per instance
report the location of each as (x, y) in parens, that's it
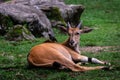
(102, 15)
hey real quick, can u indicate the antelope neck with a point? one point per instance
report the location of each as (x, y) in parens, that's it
(75, 48)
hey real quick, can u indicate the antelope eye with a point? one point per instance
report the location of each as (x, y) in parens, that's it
(77, 33)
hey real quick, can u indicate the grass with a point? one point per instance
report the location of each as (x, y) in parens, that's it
(102, 15)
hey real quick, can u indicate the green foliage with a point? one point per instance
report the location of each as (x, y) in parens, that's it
(102, 15)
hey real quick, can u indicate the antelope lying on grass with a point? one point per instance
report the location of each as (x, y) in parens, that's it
(64, 55)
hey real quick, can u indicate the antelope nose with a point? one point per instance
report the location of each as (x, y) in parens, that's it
(71, 42)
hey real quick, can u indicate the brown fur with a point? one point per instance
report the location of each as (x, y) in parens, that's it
(46, 54)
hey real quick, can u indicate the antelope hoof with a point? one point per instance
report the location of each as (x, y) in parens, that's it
(107, 63)
(106, 68)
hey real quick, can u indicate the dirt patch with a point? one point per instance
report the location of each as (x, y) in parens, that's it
(96, 49)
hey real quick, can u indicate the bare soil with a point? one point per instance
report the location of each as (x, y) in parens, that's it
(97, 49)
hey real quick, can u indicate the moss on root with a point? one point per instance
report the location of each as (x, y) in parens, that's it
(54, 14)
(6, 21)
(18, 33)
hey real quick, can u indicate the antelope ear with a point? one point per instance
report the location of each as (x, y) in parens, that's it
(86, 30)
(79, 25)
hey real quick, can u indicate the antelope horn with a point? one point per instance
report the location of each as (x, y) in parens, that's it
(79, 25)
(68, 25)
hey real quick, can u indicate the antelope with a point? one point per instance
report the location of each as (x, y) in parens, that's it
(65, 55)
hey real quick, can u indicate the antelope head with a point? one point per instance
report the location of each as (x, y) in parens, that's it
(74, 36)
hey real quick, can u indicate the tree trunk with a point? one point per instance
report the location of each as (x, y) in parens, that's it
(39, 15)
